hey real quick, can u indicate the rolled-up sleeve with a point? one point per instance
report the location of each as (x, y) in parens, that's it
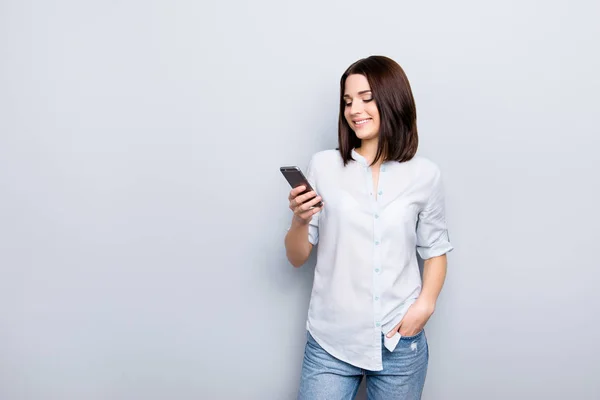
(432, 232)
(313, 226)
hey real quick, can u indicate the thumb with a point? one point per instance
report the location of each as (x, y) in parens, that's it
(393, 331)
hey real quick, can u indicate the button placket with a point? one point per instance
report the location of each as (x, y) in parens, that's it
(377, 265)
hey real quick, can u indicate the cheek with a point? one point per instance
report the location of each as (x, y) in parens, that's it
(347, 115)
(376, 124)
(374, 112)
(376, 120)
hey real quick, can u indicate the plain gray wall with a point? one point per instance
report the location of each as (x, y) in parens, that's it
(142, 213)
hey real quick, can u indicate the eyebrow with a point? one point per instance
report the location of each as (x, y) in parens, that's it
(359, 93)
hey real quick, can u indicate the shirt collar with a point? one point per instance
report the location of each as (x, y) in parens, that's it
(361, 160)
(358, 158)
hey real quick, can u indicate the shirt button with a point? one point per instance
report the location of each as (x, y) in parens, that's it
(382, 168)
(378, 324)
(377, 243)
(376, 216)
(376, 269)
(376, 298)
(380, 192)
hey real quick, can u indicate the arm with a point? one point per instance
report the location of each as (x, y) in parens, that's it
(297, 246)
(432, 245)
(434, 274)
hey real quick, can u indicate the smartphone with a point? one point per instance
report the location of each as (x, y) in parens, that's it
(296, 178)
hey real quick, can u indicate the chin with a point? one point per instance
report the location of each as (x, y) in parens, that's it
(365, 136)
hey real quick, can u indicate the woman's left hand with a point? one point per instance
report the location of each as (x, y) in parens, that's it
(415, 319)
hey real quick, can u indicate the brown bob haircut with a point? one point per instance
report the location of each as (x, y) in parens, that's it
(398, 137)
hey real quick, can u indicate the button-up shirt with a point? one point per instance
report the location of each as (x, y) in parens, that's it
(367, 273)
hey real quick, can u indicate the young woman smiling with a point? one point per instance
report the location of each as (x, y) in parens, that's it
(382, 205)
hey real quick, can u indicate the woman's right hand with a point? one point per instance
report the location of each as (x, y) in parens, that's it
(301, 204)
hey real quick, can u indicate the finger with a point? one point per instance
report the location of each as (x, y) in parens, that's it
(311, 203)
(395, 330)
(298, 199)
(311, 206)
(297, 190)
(307, 215)
(305, 197)
(294, 193)
(305, 212)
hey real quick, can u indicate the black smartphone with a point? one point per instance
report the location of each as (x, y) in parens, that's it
(296, 178)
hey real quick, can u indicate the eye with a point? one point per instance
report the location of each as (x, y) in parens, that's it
(348, 104)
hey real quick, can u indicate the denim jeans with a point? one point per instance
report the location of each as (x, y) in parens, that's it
(324, 377)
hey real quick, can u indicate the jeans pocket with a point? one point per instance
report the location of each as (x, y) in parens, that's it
(416, 336)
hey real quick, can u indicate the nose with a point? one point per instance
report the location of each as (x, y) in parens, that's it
(356, 107)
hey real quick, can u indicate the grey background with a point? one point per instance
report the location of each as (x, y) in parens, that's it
(142, 213)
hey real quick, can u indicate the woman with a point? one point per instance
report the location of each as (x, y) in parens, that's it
(381, 205)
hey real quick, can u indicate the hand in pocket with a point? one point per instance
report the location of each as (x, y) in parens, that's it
(414, 320)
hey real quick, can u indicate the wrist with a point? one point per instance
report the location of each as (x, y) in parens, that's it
(298, 222)
(427, 302)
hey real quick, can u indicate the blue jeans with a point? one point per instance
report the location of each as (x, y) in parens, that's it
(324, 377)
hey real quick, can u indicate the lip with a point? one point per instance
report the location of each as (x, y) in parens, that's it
(357, 122)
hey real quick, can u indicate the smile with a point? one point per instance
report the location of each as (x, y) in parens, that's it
(362, 121)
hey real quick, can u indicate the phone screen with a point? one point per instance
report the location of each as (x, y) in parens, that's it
(296, 178)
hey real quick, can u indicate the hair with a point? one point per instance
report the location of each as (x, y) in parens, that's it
(398, 137)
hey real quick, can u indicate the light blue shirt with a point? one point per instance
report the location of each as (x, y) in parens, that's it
(367, 274)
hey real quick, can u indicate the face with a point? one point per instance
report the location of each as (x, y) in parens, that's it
(361, 111)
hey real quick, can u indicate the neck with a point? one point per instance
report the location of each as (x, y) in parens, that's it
(368, 149)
